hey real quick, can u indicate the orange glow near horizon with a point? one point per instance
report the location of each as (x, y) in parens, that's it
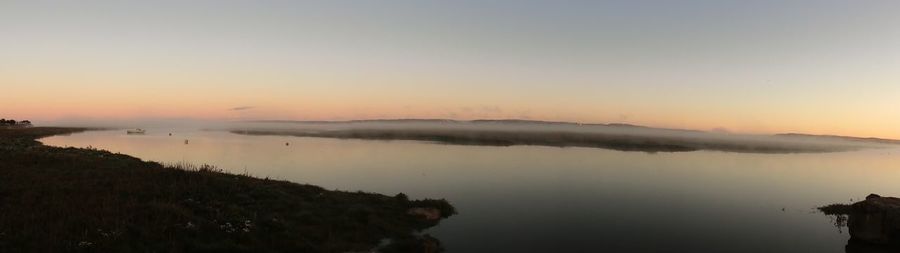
(136, 108)
(98, 95)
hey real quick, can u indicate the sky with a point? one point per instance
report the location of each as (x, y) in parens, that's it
(823, 67)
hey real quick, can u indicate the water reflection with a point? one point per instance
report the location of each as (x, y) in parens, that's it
(544, 199)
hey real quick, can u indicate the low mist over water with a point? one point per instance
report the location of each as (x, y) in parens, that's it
(560, 134)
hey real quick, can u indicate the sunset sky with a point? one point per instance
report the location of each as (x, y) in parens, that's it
(823, 67)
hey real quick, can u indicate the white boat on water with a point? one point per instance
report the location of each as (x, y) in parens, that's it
(136, 131)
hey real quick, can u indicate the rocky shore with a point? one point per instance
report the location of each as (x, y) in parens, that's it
(874, 223)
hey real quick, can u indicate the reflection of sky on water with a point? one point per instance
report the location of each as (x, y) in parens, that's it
(543, 199)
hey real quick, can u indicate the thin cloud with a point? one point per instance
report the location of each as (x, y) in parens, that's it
(241, 108)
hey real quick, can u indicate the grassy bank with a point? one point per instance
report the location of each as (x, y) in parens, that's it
(70, 199)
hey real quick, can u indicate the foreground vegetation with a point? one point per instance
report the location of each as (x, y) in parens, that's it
(87, 200)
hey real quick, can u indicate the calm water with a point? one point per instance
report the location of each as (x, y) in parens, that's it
(545, 199)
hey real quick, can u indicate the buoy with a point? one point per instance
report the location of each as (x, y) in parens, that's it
(170, 134)
(287, 143)
(185, 142)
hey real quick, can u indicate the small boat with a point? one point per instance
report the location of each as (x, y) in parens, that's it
(136, 131)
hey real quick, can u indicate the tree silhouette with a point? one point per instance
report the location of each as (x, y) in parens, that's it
(12, 122)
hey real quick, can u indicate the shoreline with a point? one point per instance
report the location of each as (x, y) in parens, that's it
(83, 199)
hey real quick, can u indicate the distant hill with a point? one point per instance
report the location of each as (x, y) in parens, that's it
(843, 138)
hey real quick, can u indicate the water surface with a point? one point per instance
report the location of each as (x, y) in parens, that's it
(546, 199)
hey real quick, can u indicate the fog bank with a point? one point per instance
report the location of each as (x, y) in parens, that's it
(559, 134)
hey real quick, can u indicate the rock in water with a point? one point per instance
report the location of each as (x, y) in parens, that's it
(876, 220)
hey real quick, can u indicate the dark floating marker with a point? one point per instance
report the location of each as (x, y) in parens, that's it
(287, 143)
(170, 134)
(185, 142)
